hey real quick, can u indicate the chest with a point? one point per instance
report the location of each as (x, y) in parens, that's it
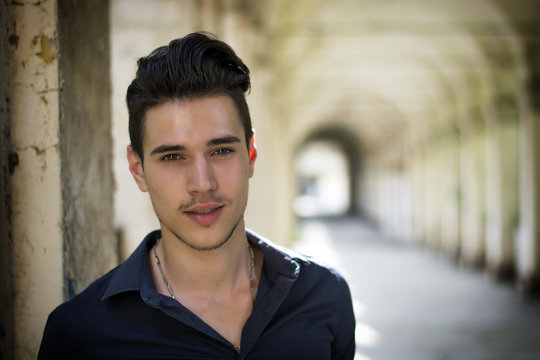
(227, 316)
(152, 334)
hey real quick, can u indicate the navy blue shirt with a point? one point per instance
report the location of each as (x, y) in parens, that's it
(303, 310)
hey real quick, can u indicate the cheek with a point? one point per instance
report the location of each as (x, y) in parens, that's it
(233, 176)
(164, 183)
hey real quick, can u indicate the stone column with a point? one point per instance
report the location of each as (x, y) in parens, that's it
(90, 244)
(61, 229)
(451, 193)
(473, 199)
(528, 244)
(418, 209)
(502, 190)
(6, 241)
(433, 203)
(471, 225)
(37, 271)
(527, 241)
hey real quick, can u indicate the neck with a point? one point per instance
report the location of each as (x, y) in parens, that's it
(206, 273)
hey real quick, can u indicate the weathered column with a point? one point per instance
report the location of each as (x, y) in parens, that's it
(502, 190)
(528, 241)
(433, 199)
(418, 188)
(451, 193)
(272, 167)
(36, 182)
(473, 196)
(90, 243)
(421, 203)
(6, 241)
(528, 244)
(369, 190)
(62, 235)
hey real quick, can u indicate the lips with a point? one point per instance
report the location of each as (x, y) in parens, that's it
(204, 214)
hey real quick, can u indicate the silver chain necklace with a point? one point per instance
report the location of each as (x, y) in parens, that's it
(253, 273)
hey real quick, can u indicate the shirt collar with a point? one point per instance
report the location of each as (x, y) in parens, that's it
(132, 274)
(278, 259)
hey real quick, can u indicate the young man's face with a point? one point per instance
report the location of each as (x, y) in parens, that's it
(196, 169)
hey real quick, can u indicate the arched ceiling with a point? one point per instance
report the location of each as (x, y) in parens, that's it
(391, 71)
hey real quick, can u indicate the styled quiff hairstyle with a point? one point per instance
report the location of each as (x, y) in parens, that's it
(195, 66)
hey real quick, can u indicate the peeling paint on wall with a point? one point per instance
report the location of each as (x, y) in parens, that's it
(36, 186)
(47, 53)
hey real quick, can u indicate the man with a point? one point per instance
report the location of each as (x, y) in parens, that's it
(201, 287)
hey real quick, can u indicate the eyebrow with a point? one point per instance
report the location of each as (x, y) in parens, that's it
(167, 148)
(213, 142)
(223, 140)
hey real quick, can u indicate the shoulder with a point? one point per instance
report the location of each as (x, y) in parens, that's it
(307, 270)
(69, 324)
(81, 306)
(324, 278)
(318, 294)
(103, 299)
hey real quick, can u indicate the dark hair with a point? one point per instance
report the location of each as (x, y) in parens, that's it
(191, 67)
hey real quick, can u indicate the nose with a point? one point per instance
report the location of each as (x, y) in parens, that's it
(201, 177)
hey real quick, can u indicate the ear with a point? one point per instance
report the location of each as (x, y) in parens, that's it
(252, 155)
(136, 168)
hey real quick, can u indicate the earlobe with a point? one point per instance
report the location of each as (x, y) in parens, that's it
(136, 168)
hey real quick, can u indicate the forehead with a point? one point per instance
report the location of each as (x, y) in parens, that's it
(189, 121)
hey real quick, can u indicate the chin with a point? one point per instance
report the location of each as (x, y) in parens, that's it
(205, 239)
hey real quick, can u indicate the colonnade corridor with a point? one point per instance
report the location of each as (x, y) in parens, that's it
(411, 304)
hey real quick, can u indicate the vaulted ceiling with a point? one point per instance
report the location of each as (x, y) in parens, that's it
(395, 73)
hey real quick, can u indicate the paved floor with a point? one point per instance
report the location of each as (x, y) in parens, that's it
(412, 305)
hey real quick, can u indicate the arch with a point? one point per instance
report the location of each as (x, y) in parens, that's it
(350, 147)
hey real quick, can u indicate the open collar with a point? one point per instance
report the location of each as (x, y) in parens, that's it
(134, 274)
(131, 275)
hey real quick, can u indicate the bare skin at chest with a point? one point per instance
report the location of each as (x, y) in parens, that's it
(224, 311)
(226, 316)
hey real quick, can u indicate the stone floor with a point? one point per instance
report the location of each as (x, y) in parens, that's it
(411, 304)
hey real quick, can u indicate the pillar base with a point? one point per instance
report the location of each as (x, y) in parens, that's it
(503, 272)
(529, 287)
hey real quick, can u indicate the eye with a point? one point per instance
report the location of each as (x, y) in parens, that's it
(223, 151)
(171, 157)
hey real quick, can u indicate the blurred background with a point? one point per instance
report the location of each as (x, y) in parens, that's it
(396, 142)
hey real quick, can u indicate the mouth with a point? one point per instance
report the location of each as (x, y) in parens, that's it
(204, 215)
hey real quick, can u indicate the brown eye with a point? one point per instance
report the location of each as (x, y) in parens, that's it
(171, 157)
(223, 151)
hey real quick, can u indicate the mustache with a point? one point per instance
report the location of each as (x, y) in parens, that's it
(194, 201)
